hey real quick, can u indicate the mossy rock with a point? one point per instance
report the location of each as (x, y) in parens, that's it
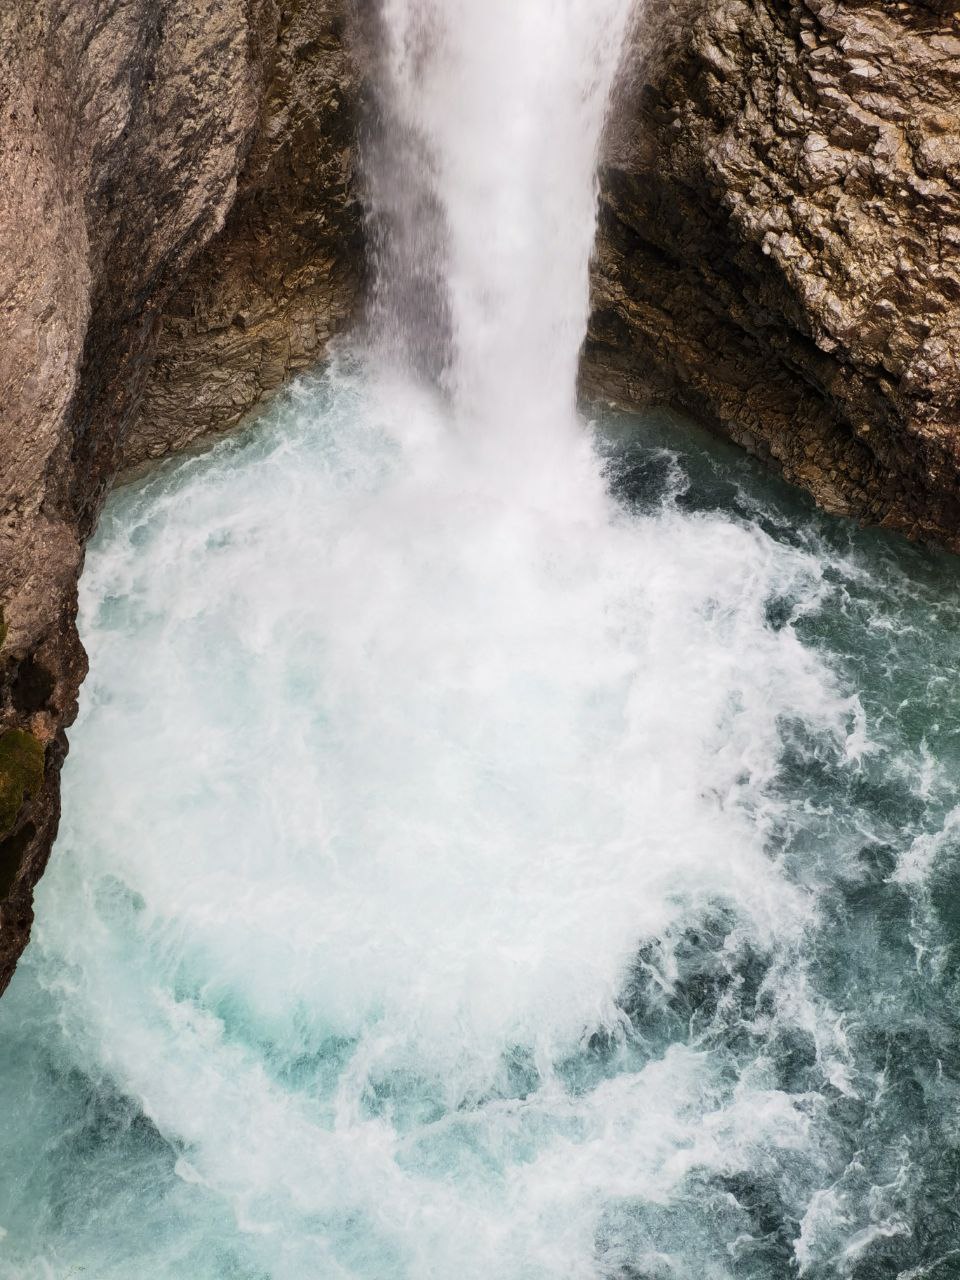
(21, 773)
(3, 627)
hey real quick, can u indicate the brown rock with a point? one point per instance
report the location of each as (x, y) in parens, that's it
(265, 295)
(778, 246)
(173, 176)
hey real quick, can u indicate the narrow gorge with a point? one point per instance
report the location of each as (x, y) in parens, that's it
(183, 228)
(509, 830)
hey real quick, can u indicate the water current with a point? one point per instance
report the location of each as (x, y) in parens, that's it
(498, 842)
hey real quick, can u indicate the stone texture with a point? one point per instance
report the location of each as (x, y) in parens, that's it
(778, 247)
(172, 176)
(284, 276)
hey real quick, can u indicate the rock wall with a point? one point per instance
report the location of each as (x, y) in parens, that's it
(779, 236)
(173, 176)
(285, 274)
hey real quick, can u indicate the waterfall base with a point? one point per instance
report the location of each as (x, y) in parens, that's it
(493, 886)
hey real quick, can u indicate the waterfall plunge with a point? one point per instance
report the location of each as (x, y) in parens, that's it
(436, 780)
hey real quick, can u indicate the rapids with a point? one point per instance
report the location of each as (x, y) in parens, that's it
(496, 843)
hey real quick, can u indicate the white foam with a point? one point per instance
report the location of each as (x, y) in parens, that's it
(416, 766)
(401, 738)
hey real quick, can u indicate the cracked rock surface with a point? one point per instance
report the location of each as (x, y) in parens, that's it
(779, 246)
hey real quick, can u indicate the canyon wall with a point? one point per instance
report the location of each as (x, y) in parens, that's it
(778, 245)
(178, 228)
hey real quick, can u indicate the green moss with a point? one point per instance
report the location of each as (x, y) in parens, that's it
(21, 773)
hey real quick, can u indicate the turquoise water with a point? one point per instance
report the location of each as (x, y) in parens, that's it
(454, 881)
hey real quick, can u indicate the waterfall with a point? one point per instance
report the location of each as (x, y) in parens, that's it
(495, 112)
(495, 845)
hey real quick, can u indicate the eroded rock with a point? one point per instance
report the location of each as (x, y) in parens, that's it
(778, 247)
(283, 277)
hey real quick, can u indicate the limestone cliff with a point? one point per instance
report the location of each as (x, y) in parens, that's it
(778, 248)
(174, 175)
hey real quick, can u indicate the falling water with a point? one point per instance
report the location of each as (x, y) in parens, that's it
(503, 106)
(494, 845)
(481, 170)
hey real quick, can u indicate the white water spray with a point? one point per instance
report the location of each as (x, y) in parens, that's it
(422, 761)
(502, 105)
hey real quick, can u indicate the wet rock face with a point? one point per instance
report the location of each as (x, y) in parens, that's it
(779, 247)
(285, 274)
(173, 174)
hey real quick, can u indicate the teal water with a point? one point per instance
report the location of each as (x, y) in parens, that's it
(456, 882)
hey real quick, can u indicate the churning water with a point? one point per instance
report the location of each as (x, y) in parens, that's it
(494, 846)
